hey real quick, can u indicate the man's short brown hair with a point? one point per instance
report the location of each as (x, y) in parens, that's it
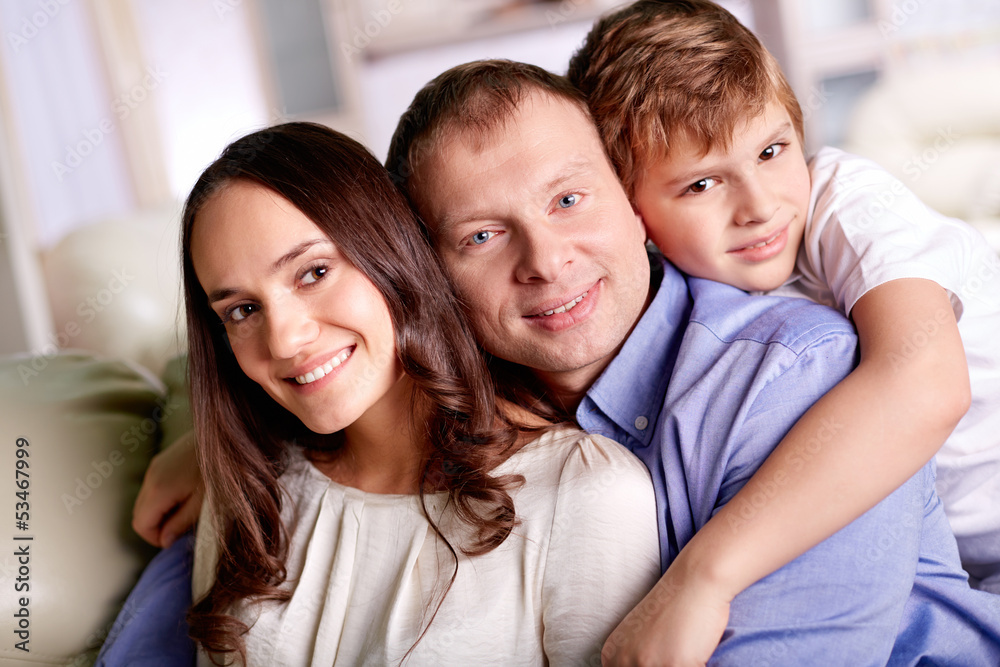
(475, 99)
(659, 69)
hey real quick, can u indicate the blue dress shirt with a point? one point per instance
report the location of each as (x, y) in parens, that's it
(707, 384)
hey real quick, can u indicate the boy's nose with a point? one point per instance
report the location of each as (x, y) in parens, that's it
(758, 203)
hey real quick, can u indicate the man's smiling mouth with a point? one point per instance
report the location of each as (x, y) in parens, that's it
(564, 307)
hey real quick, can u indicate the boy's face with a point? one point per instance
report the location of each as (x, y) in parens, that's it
(733, 216)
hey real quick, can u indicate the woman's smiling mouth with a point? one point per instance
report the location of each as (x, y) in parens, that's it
(321, 371)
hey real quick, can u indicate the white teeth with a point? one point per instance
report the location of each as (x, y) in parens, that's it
(319, 373)
(566, 306)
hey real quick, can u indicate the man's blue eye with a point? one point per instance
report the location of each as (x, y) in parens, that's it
(480, 238)
(569, 200)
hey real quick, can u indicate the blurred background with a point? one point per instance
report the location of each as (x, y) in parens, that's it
(109, 110)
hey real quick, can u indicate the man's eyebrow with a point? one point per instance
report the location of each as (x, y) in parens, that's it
(297, 251)
(574, 168)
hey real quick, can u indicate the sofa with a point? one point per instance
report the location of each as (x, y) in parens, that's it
(79, 422)
(77, 431)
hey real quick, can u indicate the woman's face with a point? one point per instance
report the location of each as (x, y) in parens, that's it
(304, 323)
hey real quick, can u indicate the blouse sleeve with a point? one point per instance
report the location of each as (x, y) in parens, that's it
(206, 563)
(603, 552)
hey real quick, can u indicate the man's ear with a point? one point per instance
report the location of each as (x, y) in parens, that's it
(641, 223)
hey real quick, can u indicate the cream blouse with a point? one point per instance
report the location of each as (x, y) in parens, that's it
(366, 571)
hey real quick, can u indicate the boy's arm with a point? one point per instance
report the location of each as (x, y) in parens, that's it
(170, 498)
(880, 425)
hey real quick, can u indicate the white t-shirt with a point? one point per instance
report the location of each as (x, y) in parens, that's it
(866, 228)
(364, 569)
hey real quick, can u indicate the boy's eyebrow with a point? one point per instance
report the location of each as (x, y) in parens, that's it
(689, 175)
(782, 129)
(686, 177)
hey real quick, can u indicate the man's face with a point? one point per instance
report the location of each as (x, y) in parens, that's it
(539, 239)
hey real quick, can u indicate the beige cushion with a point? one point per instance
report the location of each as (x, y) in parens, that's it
(937, 129)
(114, 288)
(90, 426)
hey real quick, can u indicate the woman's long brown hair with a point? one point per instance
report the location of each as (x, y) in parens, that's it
(243, 434)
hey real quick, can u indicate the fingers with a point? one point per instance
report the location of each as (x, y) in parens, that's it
(171, 482)
(181, 520)
(149, 510)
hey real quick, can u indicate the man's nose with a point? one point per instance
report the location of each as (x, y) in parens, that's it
(543, 253)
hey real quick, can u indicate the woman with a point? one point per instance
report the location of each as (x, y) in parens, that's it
(369, 499)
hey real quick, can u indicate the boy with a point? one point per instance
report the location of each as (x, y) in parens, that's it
(706, 136)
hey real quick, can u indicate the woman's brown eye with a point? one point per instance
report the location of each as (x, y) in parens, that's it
(316, 274)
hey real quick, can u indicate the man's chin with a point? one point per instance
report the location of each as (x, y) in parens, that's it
(575, 363)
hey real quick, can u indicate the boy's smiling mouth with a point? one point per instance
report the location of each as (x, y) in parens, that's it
(760, 244)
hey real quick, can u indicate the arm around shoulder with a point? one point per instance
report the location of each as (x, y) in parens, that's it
(850, 590)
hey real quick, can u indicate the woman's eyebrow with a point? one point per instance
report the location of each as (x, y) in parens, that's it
(297, 251)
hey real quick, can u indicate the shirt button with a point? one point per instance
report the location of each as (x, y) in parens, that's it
(641, 423)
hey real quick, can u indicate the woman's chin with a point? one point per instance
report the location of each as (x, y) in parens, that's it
(321, 427)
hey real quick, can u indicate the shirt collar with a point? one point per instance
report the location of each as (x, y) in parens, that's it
(631, 389)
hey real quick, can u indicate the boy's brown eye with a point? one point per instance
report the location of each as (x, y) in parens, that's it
(700, 186)
(771, 151)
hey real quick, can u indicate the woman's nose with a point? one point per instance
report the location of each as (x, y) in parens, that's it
(290, 328)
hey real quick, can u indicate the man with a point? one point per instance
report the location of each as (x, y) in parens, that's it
(700, 380)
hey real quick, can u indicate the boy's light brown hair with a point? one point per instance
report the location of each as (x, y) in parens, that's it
(474, 99)
(659, 69)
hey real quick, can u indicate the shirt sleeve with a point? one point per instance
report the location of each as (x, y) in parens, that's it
(867, 228)
(843, 599)
(151, 628)
(603, 552)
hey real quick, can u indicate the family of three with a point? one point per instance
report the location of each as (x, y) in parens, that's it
(389, 373)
